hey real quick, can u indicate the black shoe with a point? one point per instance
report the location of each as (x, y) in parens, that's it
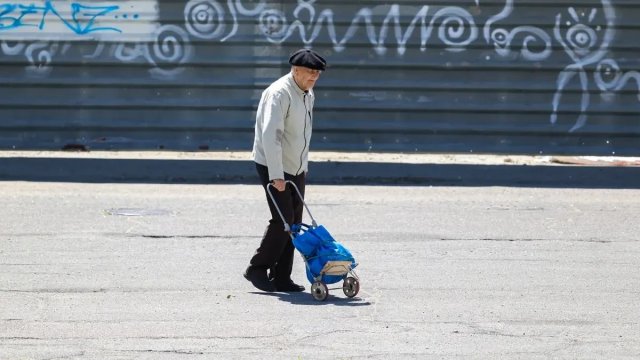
(259, 279)
(288, 286)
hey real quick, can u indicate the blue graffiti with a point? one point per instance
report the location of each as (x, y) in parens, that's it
(82, 20)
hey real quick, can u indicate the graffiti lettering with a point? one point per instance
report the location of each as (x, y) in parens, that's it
(82, 21)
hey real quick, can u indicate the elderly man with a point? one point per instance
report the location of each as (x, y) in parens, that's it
(280, 151)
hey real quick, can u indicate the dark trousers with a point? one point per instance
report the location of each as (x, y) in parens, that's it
(276, 249)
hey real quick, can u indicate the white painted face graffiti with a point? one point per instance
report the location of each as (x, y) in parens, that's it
(584, 46)
(580, 37)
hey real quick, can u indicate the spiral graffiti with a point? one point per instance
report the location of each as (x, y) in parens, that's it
(503, 40)
(273, 24)
(610, 78)
(607, 75)
(500, 37)
(457, 28)
(250, 12)
(171, 49)
(12, 50)
(204, 19)
(505, 13)
(127, 53)
(40, 56)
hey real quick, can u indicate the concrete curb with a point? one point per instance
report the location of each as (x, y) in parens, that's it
(596, 160)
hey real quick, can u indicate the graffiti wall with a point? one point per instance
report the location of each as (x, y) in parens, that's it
(505, 76)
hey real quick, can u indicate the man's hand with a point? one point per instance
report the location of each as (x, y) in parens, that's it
(279, 184)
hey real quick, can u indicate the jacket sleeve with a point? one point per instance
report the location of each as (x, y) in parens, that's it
(274, 112)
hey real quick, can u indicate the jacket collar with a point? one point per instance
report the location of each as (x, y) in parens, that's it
(295, 86)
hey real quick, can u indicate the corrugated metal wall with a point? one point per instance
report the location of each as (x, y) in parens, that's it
(510, 76)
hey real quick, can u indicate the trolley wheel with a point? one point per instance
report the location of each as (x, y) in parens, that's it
(319, 291)
(351, 286)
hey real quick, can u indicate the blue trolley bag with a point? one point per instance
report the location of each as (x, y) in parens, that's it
(326, 260)
(318, 247)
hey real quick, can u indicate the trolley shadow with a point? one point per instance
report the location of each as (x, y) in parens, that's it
(303, 298)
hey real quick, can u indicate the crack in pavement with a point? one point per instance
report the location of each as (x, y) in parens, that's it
(91, 291)
(193, 236)
(178, 352)
(533, 240)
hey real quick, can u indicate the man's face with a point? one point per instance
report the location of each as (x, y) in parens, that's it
(305, 77)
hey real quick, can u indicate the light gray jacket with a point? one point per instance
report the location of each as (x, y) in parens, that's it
(283, 128)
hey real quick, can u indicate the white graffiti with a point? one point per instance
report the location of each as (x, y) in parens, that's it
(455, 27)
(503, 39)
(39, 54)
(131, 32)
(205, 19)
(457, 30)
(581, 41)
(167, 54)
(610, 78)
(12, 50)
(129, 52)
(171, 50)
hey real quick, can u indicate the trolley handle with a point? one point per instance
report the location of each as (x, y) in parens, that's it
(287, 228)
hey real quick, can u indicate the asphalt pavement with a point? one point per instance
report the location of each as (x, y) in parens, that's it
(140, 256)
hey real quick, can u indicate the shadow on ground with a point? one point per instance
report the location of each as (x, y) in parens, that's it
(305, 298)
(164, 171)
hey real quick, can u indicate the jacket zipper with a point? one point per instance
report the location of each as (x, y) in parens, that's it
(304, 132)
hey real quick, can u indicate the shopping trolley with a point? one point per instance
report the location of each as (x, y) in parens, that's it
(326, 260)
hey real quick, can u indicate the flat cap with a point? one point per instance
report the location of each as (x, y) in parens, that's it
(309, 59)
